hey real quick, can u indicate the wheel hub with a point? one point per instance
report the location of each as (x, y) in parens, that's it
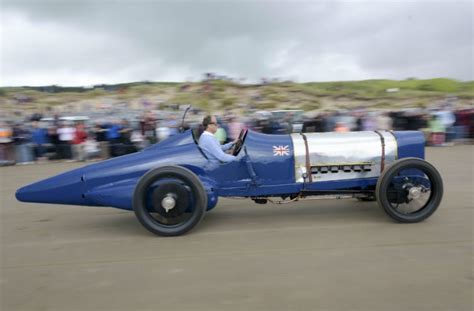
(414, 193)
(168, 202)
(170, 199)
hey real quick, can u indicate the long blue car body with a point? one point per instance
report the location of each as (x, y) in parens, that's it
(259, 171)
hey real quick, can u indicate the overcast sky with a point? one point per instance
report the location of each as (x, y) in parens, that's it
(103, 41)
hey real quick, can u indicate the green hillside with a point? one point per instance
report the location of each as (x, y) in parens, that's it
(217, 95)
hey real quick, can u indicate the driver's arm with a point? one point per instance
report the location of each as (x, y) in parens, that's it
(228, 145)
(211, 146)
(222, 156)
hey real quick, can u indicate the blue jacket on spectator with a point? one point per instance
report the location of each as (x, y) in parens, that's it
(113, 132)
(39, 136)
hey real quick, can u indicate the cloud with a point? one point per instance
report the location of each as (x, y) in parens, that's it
(87, 42)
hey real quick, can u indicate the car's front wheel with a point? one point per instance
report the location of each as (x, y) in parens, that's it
(169, 200)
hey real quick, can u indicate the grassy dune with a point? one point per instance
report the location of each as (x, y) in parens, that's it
(221, 94)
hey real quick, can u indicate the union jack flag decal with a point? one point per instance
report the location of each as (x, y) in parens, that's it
(281, 151)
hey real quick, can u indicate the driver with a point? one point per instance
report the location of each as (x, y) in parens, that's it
(209, 144)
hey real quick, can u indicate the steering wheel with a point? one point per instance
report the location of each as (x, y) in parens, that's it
(240, 141)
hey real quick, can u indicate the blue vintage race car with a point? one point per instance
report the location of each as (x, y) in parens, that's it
(172, 184)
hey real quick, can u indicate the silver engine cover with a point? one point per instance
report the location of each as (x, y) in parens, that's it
(340, 156)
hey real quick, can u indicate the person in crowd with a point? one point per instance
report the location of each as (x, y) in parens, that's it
(22, 139)
(266, 126)
(437, 129)
(126, 137)
(7, 154)
(341, 127)
(78, 142)
(66, 135)
(210, 145)
(331, 119)
(470, 118)
(414, 121)
(359, 123)
(91, 149)
(287, 124)
(162, 132)
(113, 133)
(172, 124)
(39, 138)
(221, 133)
(314, 125)
(368, 122)
(100, 132)
(399, 122)
(426, 129)
(148, 127)
(461, 125)
(447, 118)
(138, 140)
(383, 121)
(53, 138)
(235, 126)
(324, 119)
(113, 137)
(125, 132)
(349, 120)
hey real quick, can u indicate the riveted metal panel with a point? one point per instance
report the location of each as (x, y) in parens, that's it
(342, 156)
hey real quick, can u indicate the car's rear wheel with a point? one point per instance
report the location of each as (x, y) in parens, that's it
(410, 190)
(169, 200)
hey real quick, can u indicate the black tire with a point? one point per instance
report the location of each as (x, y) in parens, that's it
(385, 185)
(170, 176)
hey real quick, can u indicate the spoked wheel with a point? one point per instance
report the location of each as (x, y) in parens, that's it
(169, 200)
(410, 190)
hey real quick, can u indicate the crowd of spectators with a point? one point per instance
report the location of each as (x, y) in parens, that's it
(442, 127)
(28, 142)
(39, 141)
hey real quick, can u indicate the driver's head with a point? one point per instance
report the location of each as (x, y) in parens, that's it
(210, 124)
